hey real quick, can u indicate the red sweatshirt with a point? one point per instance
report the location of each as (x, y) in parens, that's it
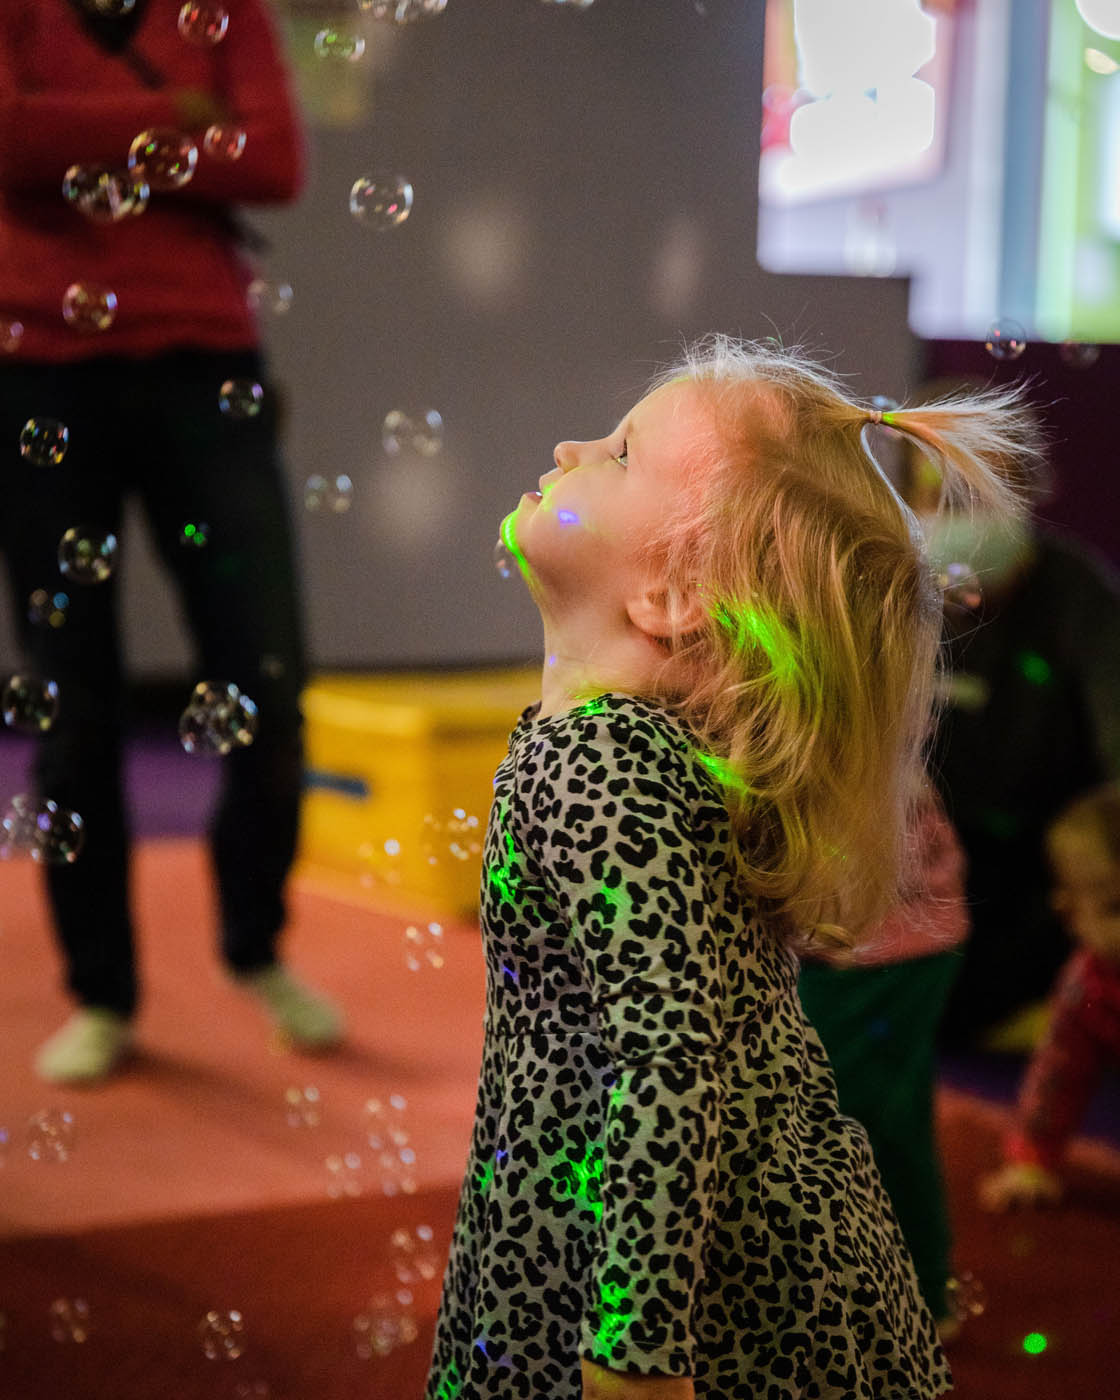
(65, 99)
(1084, 1037)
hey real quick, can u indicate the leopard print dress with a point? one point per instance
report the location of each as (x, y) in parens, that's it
(659, 1179)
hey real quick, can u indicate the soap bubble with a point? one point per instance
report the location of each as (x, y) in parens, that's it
(203, 22)
(223, 142)
(966, 1295)
(1079, 354)
(164, 158)
(381, 862)
(69, 1319)
(961, 586)
(30, 704)
(301, 1106)
(1006, 340)
(387, 1134)
(240, 398)
(50, 1135)
(88, 306)
(87, 554)
(402, 11)
(47, 609)
(48, 833)
(423, 946)
(344, 1175)
(381, 201)
(222, 1335)
(339, 44)
(420, 432)
(11, 334)
(336, 493)
(195, 535)
(275, 297)
(385, 1325)
(218, 719)
(504, 561)
(43, 442)
(456, 835)
(412, 1256)
(104, 194)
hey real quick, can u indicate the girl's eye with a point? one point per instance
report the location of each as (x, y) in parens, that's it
(622, 457)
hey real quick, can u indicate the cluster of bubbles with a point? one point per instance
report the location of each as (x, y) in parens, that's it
(218, 719)
(46, 609)
(967, 1297)
(504, 561)
(387, 1135)
(105, 194)
(344, 1175)
(43, 441)
(41, 829)
(50, 1135)
(330, 493)
(1007, 340)
(419, 432)
(302, 1107)
(222, 1335)
(423, 947)
(387, 1322)
(29, 704)
(265, 295)
(87, 554)
(195, 534)
(457, 834)
(69, 1319)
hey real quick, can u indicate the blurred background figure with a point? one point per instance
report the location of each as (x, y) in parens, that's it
(1084, 1033)
(127, 129)
(877, 1015)
(1031, 720)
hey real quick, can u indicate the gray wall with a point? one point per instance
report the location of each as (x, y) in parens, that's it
(585, 196)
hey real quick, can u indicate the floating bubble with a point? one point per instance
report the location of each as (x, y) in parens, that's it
(240, 398)
(420, 432)
(381, 201)
(302, 1106)
(69, 1319)
(504, 561)
(423, 946)
(222, 1335)
(224, 142)
(47, 609)
(218, 719)
(43, 442)
(961, 586)
(48, 833)
(87, 554)
(381, 862)
(384, 1121)
(274, 297)
(1078, 354)
(385, 1325)
(195, 534)
(339, 44)
(50, 1135)
(89, 307)
(30, 704)
(402, 11)
(104, 194)
(966, 1295)
(454, 835)
(412, 1256)
(335, 493)
(11, 335)
(162, 157)
(203, 22)
(1006, 340)
(115, 9)
(344, 1175)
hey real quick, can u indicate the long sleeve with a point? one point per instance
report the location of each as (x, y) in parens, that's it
(44, 130)
(618, 834)
(1066, 1067)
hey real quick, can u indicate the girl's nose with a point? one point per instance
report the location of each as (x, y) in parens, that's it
(565, 455)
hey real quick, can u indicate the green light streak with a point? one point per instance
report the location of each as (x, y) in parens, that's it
(751, 630)
(509, 539)
(450, 1385)
(615, 1319)
(723, 773)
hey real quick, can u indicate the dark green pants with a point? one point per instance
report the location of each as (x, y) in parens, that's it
(878, 1026)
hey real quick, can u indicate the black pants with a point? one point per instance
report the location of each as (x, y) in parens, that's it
(152, 428)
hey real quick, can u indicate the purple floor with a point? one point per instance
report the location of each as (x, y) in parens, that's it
(172, 794)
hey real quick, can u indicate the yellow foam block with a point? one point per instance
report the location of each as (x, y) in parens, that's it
(400, 771)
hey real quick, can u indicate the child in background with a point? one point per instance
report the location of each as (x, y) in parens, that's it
(1084, 1033)
(876, 1010)
(662, 1198)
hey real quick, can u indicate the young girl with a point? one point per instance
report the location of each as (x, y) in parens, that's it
(1084, 1033)
(662, 1199)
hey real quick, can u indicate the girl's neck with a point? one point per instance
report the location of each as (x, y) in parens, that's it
(573, 673)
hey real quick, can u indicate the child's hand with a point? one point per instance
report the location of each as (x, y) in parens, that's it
(1019, 1184)
(601, 1384)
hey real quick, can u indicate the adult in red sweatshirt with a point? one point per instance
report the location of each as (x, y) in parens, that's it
(136, 377)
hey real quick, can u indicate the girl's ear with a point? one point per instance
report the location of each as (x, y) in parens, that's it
(659, 615)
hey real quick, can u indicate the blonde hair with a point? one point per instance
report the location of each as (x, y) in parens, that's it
(1095, 814)
(811, 680)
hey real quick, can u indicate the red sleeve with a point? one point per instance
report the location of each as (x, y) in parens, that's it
(43, 133)
(1061, 1076)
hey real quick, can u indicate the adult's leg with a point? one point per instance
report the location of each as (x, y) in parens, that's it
(78, 761)
(240, 595)
(878, 1026)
